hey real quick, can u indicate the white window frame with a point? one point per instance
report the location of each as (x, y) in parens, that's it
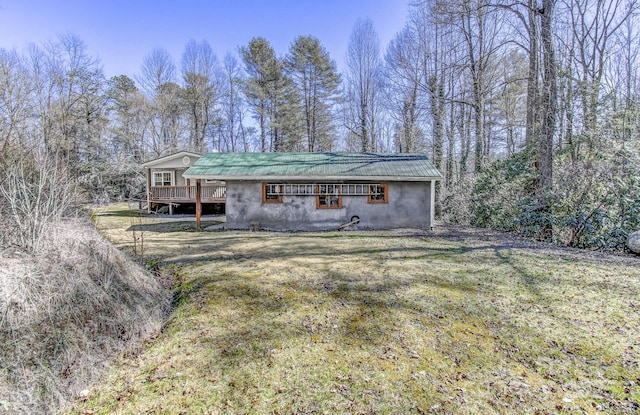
(171, 174)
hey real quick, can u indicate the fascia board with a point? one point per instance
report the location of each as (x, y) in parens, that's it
(318, 179)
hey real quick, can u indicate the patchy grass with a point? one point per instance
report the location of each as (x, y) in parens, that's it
(457, 321)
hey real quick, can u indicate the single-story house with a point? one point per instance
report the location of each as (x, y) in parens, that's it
(317, 191)
(167, 186)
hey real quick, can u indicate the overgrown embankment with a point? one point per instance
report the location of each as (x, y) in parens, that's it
(65, 311)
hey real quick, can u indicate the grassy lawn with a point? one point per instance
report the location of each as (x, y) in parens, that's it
(456, 321)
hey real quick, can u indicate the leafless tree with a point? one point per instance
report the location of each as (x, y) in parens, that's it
(201, 84)
(363, 84)
(128, 111)
(593, 26)
(157, 69)
(432, 50)
(481, 31)
(625, 82)
(404, 72)
(15, 99)
(548, 97)
(68, 86)
(232, 105)
(166, 116)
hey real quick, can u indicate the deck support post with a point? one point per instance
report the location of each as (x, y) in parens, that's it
(148, 190)
(198, 204)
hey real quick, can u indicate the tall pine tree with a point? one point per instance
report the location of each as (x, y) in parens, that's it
(265, 89)
(316, 81)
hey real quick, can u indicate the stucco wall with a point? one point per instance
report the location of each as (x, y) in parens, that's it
(409, 207)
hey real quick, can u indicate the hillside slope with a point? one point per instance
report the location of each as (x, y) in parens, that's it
(65, 312)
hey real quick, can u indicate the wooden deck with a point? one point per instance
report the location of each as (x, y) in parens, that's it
(187, 194)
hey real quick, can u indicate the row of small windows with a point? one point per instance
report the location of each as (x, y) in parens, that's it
(328, 196)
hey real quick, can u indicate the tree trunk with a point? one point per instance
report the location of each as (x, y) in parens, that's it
(532, 79)
(549, 104)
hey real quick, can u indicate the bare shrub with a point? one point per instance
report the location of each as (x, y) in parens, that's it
(456, 206)
(36, 190)
(65, 312)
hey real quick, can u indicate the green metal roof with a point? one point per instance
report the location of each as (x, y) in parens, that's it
(306, 166)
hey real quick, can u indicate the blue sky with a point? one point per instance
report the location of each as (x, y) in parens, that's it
(122, 32)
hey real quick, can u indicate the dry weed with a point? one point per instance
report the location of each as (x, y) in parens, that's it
(65, 311)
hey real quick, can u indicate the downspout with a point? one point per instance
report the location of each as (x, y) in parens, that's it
(432, 203)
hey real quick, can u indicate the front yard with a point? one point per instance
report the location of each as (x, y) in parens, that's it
(460, 321)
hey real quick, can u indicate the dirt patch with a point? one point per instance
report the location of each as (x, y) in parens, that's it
(473, 236)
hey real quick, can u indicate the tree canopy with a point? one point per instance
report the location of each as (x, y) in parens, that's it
(477, 85)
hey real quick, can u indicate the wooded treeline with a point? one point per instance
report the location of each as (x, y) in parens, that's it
(530, 109)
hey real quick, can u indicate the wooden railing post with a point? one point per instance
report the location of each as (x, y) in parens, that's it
(148, 190)
(198, 204)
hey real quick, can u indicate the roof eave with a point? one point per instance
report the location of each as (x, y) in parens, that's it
(281, 178)
(162, 159)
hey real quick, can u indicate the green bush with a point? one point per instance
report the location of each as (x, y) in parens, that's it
(595, 202)
(498, 195)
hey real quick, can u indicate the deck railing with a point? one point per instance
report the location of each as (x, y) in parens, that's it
(188, 193)
(211, 192)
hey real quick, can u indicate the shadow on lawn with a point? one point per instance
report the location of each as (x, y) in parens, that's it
(474, 256)
(528, 279)
(124, 213)
(223, 248)
(172, 226)
(255, 319)
(254, 326)
(473, 260)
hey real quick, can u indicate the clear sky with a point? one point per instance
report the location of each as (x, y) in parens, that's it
(122, 32)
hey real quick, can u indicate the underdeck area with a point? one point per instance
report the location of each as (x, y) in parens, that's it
(173, 208)
(182, 199)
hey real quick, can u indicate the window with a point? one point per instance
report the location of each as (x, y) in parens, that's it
(271, 193)
(328, 196)
(379, 193)
(355, 189)
(299, 189)
(163, 178)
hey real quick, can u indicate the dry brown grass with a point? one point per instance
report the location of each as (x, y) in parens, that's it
(65, 312)
(457, 321)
